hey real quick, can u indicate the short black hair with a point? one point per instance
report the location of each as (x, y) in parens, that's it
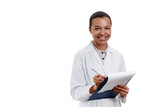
(98, 14)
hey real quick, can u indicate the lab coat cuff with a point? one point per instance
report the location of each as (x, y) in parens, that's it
(123, 99)
(85, 94)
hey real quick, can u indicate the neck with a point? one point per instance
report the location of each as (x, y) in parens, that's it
(101, 47)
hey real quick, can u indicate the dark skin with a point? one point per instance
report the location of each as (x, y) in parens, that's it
(121, 89)
(101, 32)
(98, 79)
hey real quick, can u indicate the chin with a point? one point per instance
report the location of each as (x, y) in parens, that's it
(102, 42)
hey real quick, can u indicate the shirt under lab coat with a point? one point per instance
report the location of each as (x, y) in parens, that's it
(82, 75)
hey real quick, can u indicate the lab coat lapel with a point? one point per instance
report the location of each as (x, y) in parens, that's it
(96, 56)
(97, 63)
(107, 63)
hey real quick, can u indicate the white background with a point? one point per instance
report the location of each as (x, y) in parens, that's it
(39, 38)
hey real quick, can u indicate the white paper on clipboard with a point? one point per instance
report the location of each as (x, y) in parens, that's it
(117, 78)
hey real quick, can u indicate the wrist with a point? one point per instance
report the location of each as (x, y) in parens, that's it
(92, 89)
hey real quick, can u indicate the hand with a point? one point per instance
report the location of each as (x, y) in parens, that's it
(98, 79)
(121, 89)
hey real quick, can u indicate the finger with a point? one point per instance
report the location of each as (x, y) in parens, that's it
(123, 93)
(101, 76)
(97, 82)
(96, 76)
(123, 86)
(98, 79)
(120, 92)
(121, 89)
(115, 90)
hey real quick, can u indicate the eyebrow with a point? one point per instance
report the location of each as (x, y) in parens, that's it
(99, 26)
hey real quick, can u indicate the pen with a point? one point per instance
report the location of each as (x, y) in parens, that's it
(94, 70)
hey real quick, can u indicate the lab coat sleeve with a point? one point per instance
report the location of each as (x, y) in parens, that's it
(123, 99)
(79, 89)
(122, 65)
(123, 68)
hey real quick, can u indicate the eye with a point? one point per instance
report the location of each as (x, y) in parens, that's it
(96, 28)
(107, 28)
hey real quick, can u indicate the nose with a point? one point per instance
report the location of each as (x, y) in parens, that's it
(102, 32)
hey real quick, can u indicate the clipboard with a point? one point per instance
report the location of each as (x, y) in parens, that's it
(113, 79)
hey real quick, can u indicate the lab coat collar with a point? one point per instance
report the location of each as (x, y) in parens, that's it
(91, 48)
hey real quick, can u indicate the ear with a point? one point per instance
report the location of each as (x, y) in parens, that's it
(89, 29)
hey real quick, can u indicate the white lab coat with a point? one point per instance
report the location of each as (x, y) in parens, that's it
(82, 75)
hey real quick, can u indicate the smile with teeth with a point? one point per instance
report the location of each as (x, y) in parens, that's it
(101, 38)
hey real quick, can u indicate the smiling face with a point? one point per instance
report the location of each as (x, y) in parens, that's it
(100, 30)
